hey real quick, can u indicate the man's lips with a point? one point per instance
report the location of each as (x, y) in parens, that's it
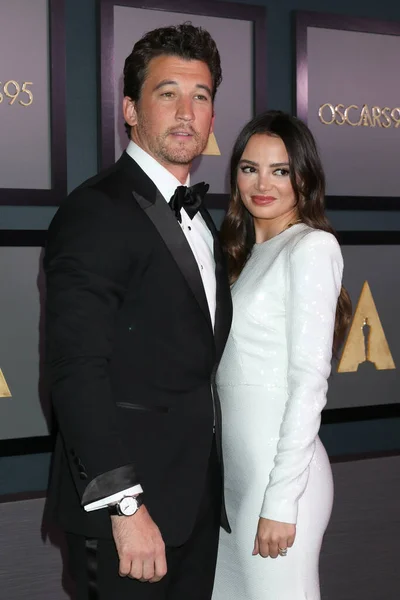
(184, 134)
(263, 200)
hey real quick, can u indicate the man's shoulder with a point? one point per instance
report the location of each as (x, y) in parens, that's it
(108, 181)
(107, 195)
(99, 178)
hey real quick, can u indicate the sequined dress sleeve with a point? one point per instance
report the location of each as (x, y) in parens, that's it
(313, 283)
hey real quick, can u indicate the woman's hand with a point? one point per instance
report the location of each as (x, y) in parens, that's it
(273, 538)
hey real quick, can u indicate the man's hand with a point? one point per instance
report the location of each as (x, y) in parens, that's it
(273, 538)
(140, 547)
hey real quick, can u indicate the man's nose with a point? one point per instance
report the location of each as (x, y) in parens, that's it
(185, 109)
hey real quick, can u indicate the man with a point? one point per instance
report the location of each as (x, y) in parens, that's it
(138, 313)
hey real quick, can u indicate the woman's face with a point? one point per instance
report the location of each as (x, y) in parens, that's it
(263, 179)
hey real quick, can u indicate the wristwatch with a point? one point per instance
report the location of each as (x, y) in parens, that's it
(126, 507)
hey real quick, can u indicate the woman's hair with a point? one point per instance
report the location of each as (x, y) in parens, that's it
(184, 41)
(308, 182)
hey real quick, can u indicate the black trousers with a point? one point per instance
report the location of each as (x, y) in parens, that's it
(191, 567)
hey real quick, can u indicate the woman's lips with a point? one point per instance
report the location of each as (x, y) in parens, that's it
(263, 200)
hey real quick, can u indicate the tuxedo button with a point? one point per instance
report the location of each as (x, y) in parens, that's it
(83, 475)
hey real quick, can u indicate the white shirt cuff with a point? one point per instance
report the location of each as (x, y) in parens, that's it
(104, 502)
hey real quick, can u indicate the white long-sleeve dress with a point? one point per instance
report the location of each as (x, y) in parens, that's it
(272, 383)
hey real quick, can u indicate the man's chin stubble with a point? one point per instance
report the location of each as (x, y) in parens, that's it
(179, 158)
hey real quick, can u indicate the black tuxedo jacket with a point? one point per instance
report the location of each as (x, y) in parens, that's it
(131, 354)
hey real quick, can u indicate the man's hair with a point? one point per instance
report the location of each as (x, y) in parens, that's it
(185, 41)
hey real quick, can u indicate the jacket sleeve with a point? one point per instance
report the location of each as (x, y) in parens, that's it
(314, 277)
(87, 266)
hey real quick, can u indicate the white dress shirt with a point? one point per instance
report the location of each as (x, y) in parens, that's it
(201, 242)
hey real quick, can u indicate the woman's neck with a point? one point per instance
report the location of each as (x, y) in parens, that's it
(266, 229)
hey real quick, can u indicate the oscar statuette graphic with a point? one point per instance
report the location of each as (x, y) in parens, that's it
(212, 148)
(4, 389)
(366, 345)
(366, 332)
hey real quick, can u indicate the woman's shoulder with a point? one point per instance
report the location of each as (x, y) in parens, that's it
(307, 239)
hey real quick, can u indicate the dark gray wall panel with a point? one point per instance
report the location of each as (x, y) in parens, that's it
(31, 566)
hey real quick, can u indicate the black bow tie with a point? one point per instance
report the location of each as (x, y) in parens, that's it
(190, 198)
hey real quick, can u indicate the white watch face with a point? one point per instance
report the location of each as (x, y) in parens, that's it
(128, 506)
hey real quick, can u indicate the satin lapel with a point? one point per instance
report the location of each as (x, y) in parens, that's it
(223, 308)
(168, 227)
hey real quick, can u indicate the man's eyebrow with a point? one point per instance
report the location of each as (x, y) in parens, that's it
(164, 82)
(202, 86)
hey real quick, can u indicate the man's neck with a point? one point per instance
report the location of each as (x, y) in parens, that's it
(165, 181)
(180, 171)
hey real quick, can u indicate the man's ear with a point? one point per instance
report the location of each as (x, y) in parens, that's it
(212, 123)
(129, 111)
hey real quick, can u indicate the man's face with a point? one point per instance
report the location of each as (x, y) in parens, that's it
(174, 115)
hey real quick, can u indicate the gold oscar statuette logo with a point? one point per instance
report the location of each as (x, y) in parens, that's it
(4, 389)
(212, 148)
(366, 341)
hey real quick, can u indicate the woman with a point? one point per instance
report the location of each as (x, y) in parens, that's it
(289, 311)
